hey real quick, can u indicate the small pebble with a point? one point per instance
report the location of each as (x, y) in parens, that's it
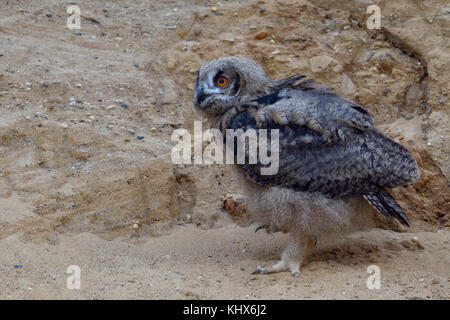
(435, 281)
(331, 25)
(188, 218)
(261, 35)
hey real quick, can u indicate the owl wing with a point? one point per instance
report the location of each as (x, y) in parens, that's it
(328, 145)
(312, 105)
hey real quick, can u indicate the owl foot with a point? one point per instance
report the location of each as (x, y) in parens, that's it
(292, 266)
(299, 246)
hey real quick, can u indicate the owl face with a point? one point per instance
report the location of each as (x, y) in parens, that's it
(217, 88)
(226, 82)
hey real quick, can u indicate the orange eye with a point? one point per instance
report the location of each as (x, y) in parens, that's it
(221, 81)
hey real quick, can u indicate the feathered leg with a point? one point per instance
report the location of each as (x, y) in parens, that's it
(299, 246)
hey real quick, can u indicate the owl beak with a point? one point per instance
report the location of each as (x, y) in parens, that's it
(200, 94)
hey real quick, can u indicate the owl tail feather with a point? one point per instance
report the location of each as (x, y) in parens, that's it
(385, 204)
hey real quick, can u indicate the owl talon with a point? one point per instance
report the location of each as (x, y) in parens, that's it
(265, 226)
(259, 270)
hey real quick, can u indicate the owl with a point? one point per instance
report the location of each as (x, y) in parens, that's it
(334, 165)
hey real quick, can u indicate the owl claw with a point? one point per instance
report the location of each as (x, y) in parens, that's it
(259, 270)
(265, 226)
(270, 228)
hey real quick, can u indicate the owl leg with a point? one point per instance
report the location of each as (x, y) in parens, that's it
(292, 257)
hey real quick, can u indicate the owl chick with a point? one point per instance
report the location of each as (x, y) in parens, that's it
(331, 157)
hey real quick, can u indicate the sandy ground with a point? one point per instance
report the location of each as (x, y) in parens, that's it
(216, 264)
(73, 173)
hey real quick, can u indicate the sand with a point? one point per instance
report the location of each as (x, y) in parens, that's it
(217, 264)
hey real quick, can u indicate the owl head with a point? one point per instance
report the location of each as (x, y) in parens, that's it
(227, 82)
